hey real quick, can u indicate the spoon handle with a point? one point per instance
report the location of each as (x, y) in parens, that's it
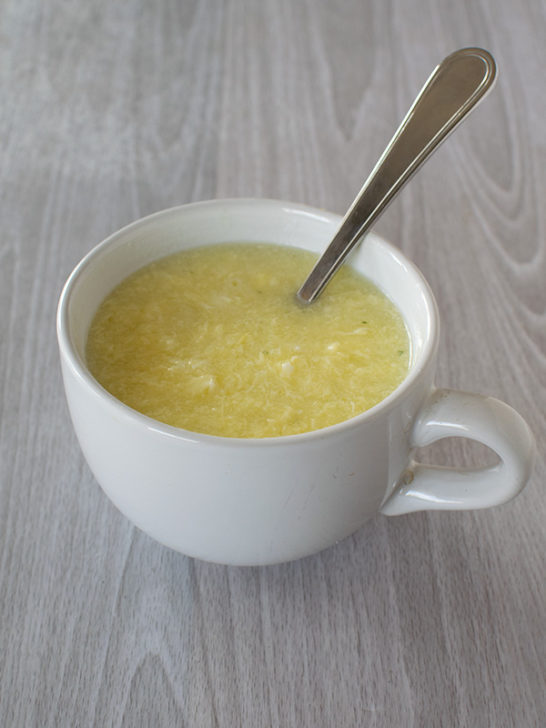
(454, 88)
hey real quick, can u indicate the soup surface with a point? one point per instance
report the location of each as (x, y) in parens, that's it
(213, 341)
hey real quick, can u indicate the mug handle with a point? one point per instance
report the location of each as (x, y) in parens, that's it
(449, 413)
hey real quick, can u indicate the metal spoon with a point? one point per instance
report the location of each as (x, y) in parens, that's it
(454, 88)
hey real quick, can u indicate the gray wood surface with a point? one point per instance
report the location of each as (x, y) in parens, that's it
(112, 110)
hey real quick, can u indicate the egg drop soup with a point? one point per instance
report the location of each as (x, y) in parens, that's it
(212, 340)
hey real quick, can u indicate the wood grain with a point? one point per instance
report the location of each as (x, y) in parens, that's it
(114, 110)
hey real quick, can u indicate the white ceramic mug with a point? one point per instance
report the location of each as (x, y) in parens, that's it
(261, 501)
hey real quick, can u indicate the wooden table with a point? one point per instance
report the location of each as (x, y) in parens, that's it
(114, 110)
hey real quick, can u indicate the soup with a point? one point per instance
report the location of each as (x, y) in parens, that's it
(212, 340)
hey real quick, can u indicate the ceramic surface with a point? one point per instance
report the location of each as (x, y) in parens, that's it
(255, 501)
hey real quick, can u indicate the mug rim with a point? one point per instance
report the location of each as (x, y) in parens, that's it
(71, 357)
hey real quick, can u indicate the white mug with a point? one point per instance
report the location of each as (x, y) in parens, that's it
(262, 501)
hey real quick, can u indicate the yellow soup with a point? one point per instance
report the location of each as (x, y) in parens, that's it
(212, 340)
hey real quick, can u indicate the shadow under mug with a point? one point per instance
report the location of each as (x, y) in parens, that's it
(263, 501)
